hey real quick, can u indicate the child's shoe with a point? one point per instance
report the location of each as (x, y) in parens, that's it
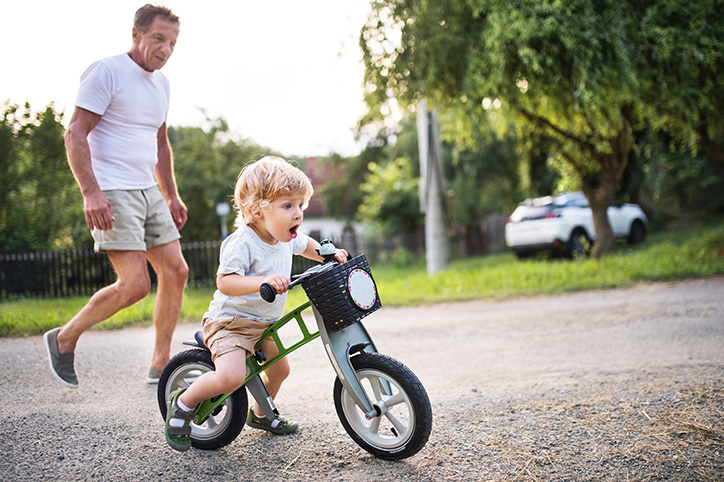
(278, 426)
(179, 438)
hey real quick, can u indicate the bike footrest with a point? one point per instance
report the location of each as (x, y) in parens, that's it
(259, 356)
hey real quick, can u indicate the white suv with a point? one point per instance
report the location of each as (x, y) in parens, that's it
(564, 224)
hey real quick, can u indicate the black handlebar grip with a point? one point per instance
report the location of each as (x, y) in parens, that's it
(268, 293)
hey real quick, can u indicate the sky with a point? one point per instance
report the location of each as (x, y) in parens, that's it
(286, 74)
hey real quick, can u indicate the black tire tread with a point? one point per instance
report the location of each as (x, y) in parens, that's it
(414, 388)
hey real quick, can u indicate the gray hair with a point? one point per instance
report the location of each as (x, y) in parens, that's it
(146, 14)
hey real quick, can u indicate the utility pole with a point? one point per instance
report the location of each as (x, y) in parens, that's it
(432, 192)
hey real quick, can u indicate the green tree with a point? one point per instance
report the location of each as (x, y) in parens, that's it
(390, 197)
(41, 208)
(481, 175)
(483, 180)
(341, 196)
(207, 163)
(683, 52)
(582, 75)
(367, 184)
(9, 165)
(677, 183)
(198, 167)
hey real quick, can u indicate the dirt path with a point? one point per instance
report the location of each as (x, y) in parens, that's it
(614, 385)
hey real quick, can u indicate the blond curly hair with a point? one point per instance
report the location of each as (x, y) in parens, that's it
(262, 182)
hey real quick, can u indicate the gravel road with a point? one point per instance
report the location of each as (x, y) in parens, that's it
(612, 385)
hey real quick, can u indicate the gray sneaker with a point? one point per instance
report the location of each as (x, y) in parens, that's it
(61, 364)
(153, 376)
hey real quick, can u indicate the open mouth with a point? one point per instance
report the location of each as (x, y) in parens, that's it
(293, 232)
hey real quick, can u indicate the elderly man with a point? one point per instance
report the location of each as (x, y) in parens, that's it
(120, 155)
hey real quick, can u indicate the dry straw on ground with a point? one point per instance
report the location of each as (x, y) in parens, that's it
(653, 434)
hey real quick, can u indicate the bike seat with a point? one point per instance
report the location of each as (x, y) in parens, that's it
(199, 341)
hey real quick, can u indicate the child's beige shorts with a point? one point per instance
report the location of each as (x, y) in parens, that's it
(228, 334)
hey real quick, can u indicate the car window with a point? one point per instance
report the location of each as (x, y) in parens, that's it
(571, 200)
(525, 213)
(581, 202)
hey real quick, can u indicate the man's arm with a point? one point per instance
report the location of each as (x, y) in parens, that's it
(98, 212)
(167, 180)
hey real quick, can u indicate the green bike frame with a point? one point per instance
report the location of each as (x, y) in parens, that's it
(340, 346)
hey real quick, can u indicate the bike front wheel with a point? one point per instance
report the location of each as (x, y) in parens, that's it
(405, 419)
(225, 423)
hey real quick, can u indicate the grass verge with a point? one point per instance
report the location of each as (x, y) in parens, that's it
(675, 254)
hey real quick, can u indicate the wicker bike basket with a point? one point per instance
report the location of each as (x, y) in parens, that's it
(345, 294)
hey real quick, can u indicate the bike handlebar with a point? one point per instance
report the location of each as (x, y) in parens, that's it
(269, 294)
(327, 251)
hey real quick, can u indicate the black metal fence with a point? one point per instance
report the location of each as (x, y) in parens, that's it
(61, 274)
(53, 274)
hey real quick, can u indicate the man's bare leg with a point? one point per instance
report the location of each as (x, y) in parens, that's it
(132, 285)
(172, 273)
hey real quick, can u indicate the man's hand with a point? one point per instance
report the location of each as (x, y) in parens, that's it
(179, 212)
(98, 212)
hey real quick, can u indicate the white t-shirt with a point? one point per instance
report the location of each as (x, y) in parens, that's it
(244, 253)
(133, 105)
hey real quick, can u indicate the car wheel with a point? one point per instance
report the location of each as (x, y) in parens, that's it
(637, 233)
(579, 244)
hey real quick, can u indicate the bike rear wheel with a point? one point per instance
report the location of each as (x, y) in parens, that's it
(225, 423)
(405, 421)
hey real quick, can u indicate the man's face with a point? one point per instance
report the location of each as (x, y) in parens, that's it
(155, 46)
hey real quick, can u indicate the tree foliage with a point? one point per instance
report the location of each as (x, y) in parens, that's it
(684, 53)
(483, 180)
(342, 196)
(207, 164)
(581, 75)
(41, 208)
(677, 183)
(346, 198)
(40, 205)
(391, 200)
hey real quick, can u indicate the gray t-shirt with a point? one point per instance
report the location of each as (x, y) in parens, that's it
(244, 253)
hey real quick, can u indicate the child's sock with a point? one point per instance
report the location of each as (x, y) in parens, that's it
(274, 423)
(182, 405)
